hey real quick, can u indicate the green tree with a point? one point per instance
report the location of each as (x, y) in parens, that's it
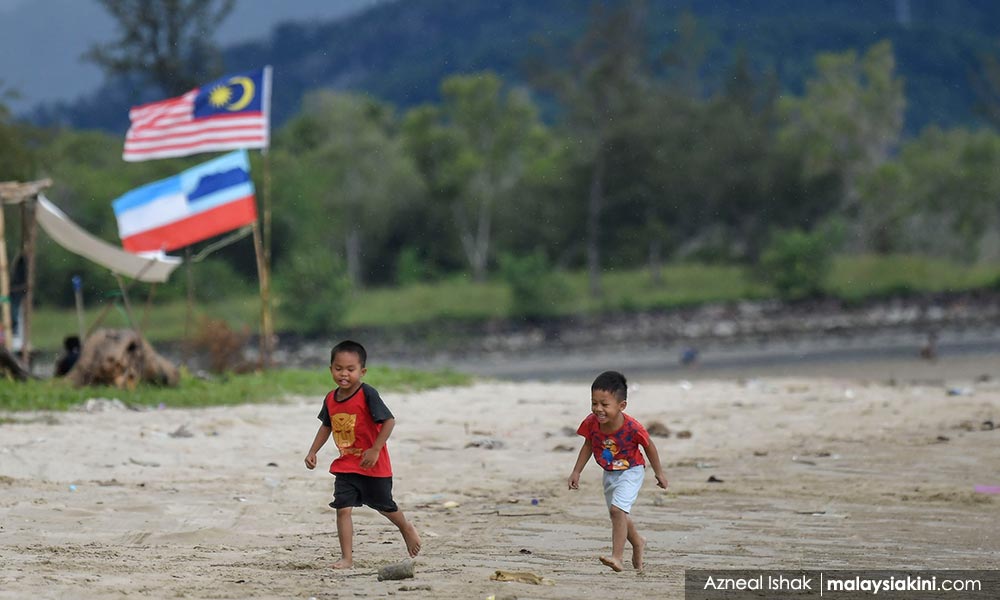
(850, 118)
(168, 42)
(17, 159)
(606, 76)
(939, 196)
(351, 174)
(477, 148)
(986, 85)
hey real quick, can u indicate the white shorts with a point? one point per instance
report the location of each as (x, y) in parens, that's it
(621, 488)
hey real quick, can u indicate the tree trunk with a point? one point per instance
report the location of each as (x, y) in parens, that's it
(656, 261)
(353, 252)
(476, 244)
(483, 240)
(594, 205)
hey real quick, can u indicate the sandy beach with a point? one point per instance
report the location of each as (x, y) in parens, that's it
(814, 472)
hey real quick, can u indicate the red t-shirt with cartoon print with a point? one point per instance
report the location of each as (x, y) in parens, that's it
(356, 422)
(619, 450)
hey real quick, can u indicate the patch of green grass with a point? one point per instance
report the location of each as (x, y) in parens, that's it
(59, 394)
(857, 278)
(680, 285)
(457, 298)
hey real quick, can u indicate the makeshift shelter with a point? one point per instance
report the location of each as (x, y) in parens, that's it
(37, 210)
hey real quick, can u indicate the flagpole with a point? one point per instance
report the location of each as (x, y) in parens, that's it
(29, 224)
(188, 304)
(266, 321)
(263, 277)
(5, 315)
(264, 268)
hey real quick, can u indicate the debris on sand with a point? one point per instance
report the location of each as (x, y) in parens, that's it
(658, 429)
(520, 577)
(400, 570)
(485, 444)
(181, 432)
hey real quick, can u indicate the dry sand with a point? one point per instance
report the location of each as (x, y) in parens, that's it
(816, 473)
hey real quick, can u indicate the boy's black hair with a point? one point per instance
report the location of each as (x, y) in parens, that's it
(350, 346)
(613, 382)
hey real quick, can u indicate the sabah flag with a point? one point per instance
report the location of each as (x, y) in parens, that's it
(229, 113)
(201, 202)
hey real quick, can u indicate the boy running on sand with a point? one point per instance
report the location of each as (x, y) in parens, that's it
(614, 438)
(360, 424)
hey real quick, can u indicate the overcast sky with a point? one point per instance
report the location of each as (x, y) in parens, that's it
(41, 41)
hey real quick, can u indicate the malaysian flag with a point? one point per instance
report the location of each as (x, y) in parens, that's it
(229, 113)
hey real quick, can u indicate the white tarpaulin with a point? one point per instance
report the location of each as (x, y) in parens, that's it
(70, 236)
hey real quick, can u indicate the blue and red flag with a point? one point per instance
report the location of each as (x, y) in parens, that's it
(201, 202)
(229, 113)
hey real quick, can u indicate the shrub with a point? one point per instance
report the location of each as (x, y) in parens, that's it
(222, 346)
(797, 263)
(410, 268)
(314, 292)
(535, 289)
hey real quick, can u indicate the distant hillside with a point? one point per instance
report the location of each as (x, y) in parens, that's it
(401, 51)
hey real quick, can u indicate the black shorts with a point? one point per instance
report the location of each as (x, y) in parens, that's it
(354, 489)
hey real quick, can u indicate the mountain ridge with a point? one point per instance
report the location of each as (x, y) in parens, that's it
(400, 51)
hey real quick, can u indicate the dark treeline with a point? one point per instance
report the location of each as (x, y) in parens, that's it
(401, 51)
(648, 157)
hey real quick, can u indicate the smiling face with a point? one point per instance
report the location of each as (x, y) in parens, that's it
(347, 372)
(607, 408)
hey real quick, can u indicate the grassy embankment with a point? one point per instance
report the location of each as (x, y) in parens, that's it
(224, 390)
(853, 279)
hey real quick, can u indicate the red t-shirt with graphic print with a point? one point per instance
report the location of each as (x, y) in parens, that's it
(356, 422)
(619, 450)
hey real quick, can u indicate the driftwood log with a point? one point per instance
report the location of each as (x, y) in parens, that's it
(123, 359)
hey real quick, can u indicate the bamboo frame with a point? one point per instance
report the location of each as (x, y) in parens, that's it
(25, 194)
(5, 317)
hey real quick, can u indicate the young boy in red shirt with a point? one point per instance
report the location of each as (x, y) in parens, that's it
(614, 439)
(360, 424)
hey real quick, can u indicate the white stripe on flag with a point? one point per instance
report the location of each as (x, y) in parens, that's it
(192, 127)
(152, 214)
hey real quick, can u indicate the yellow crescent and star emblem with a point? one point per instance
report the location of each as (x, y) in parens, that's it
(224, 96)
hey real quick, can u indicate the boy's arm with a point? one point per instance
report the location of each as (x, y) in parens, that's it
(321, 437)
(654, 461)
(369, 456)
(581, 462)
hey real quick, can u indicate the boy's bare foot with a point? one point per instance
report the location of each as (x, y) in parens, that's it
(343, 564)
(616, 565)
(412, 539)
(637, 554)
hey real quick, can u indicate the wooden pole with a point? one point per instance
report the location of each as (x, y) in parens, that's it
(265, 313)
(149, 304)
(78, 299)
(109, 305)
(128, 307)
(30, 228)
(6, 322)
(264, 267)
(189, 308)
